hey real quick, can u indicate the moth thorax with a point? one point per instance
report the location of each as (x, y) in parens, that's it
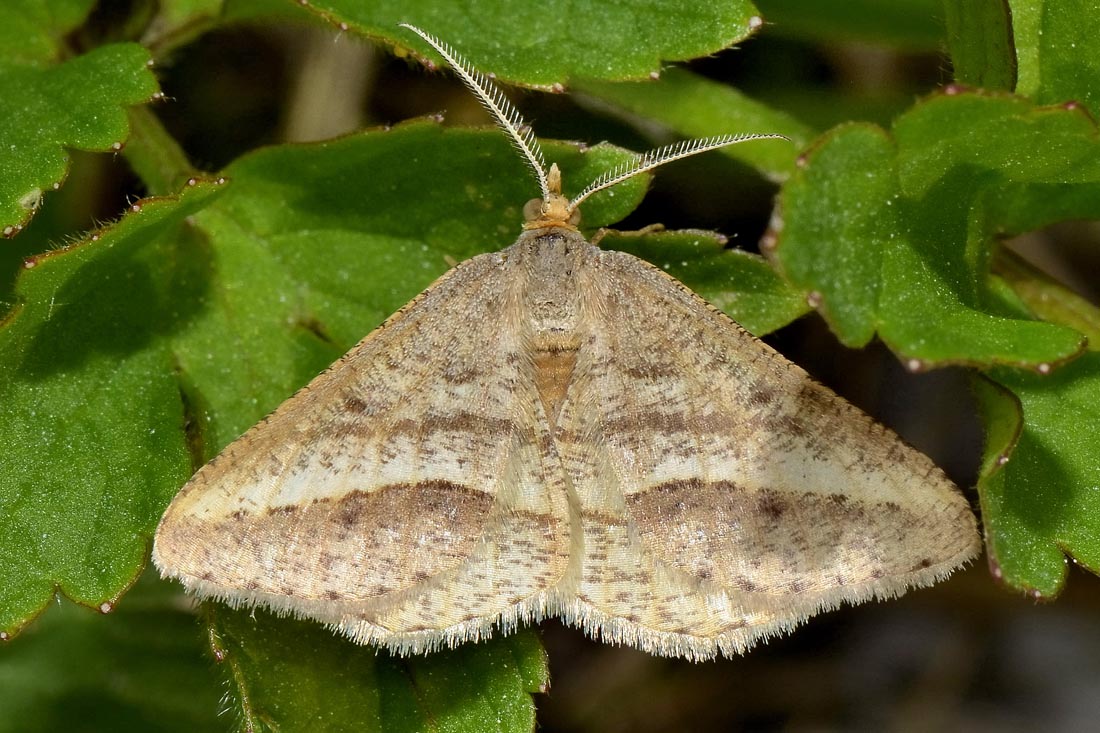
(550, 261)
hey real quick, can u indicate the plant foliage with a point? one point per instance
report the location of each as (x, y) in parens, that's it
(133, 351)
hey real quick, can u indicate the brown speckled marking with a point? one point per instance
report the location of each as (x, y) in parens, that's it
(771, 505)
(354, 405)
(762, 395)
(805, 542)
(444, 516)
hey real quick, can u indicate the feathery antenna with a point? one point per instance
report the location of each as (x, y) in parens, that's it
(490, 96)
(523, 139)
(660, 156)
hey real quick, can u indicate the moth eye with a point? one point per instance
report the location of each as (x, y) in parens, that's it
(532, 210)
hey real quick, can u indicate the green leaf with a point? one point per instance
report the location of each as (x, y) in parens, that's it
(837, 219)
(78, 104)
(1002, 140)
(906, 24)
(979, 36)
(1047, 298)
(1040, 481)
(540, 46)
(92, 419)
(1058, 47)
(179, 22)
(894, 236)
(234, 11)
(740, 283)
(296, 675)
(141, 667)
(32, 31)
(694, 106)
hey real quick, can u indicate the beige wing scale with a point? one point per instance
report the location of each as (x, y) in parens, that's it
(724, 495)
(408, 496)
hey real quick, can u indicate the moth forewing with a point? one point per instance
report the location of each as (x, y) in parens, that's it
(557, 430)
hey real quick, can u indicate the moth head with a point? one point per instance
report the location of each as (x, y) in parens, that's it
(553, 211)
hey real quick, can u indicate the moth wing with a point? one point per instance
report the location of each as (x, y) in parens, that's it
(725, 496)
(407, 496)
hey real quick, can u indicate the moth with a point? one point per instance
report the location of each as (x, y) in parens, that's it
(560, 430)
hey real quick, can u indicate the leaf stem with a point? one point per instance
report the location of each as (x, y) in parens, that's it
(155, 156)
(1047, 298)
